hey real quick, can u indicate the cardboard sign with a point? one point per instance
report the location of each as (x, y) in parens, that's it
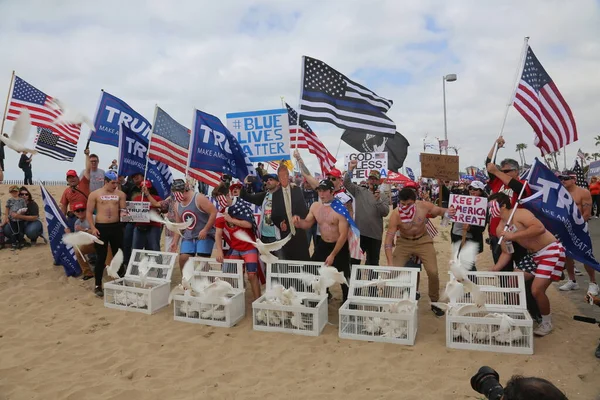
(139, 211)
(263, 135)
(366, 163)
(439, 166)
(470, 210)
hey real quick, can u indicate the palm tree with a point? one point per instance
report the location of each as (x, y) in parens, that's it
(519, 150)
(595, 156)
(597, 139)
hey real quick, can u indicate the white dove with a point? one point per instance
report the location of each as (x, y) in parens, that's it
(77, 239)
(296, 321)
(264, 249)
(70, 116)
(176, 227)
(216, 291)
(372, 325)
(187, 274)
(143, 269)
(20, 134)
(115, 265)
(332, 274)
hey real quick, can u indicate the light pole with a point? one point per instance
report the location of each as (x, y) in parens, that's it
(449, 78)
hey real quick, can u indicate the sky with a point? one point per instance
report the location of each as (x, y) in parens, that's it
(233, 56)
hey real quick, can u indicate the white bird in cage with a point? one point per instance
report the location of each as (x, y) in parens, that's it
(187, 274)
(70, 116)
(275, 293)
(19, 134)
(176, 227)
(115, 264)
(394, 329)
(331, 274)
(401, 307)
(275, 317)
(296, 321)
(216, 291)
(264, 249)
(261, 316)
(372, 325)
(143, 269)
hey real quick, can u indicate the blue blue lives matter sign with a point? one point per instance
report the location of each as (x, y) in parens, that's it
(263, 135)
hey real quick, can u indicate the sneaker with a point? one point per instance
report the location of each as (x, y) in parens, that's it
(437, 311)
(86, 277)
(577, 271)
(417, 296)
(570, 285)
(593, 289)
(98, 291)
(543, 329)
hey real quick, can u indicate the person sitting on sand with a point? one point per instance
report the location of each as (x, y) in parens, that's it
(109, 204)
(81, 225)
(14, 229)
(31, 218)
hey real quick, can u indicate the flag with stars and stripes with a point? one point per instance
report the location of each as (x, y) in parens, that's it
(305, 138)
(54, 146)
(353, 232)
(579, 176)
(169, 144)
(329, 96)
(42, 108)
(540, 102)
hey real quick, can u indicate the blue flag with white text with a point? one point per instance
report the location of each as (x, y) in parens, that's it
(56, 224)
(214, 148)
(410, 173)
(133, 151)
(553, 205)
(113, 112)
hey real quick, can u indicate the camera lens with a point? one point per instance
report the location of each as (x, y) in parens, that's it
(485, 381)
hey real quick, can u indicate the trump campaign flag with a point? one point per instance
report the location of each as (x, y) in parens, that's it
(214, 148)
(410, 173)
(113, 112)
(56, 224)
(553, 205)
(133, 151)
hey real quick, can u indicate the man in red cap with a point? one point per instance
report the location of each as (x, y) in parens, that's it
(77, 192)
(81, 225)
(235, 188)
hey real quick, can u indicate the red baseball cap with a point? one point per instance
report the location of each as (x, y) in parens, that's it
(78, 206)
(411, 184)
(336, 173)
(71, 172)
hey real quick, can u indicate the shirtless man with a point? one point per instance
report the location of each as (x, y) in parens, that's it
(410, 219)
(583, 199)
(333, 247)
(548, 253)
(109, 204)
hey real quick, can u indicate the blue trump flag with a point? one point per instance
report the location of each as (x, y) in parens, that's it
(133, 151)
(214, 148)
(410, 173)
(113, 112)
(55, 224)
(553, 205)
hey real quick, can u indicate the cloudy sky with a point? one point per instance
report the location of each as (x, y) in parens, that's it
(229, 56)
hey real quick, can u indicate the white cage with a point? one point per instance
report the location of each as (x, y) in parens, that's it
(481, 330)
(381, 305)
(129, 293)
(223, 312)
(307, 319)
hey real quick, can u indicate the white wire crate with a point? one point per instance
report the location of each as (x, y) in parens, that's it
(481, 330)
(128, 293)
(381, 305)
(224, 312)
(309, 318)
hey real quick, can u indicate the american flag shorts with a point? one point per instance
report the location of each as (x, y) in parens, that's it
(550, 261)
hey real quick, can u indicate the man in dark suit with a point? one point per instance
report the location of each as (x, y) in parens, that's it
(289, 201)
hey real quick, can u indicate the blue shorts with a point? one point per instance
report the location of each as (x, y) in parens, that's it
(197, 246)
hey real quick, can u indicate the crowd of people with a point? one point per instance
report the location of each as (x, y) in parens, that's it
(322, 213)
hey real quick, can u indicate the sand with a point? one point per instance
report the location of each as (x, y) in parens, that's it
(58, 341)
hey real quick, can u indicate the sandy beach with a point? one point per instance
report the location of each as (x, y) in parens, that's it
(58, 341)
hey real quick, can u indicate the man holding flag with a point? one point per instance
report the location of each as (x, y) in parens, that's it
(583, 200)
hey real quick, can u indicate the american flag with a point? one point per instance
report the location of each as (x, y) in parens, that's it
(169, 144)
(579, 177)
(581, 155)
(353, 232)
(42, 110)
(54, 146)
(329, 96)
(307, 139)
(540, 102)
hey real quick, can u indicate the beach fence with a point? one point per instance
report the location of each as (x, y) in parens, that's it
(20, 182)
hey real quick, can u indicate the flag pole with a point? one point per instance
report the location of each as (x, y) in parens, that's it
(512, 212)
(87, 145)
(192, 135)
(8, 96)
(513, 90)
(149, 142)
(565, 157)
(299, 104)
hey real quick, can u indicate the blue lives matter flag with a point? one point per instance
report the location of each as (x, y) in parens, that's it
(552, 204)
(214, 148)
(56, 224)
(133, 151)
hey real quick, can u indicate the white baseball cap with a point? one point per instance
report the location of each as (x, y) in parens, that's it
(478, 185)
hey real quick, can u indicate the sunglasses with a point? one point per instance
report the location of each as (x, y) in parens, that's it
(332, 178)
(473, 188)
(80, 210)
(23, 194)
(565, 178)
(506, 171)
